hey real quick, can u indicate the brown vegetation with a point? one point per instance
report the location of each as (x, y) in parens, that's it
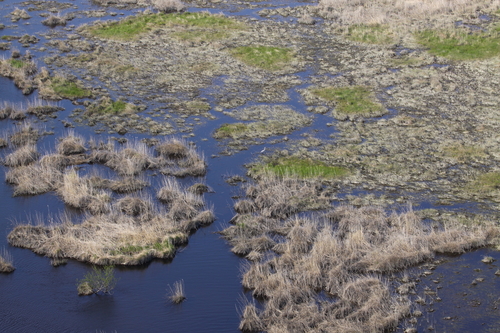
(176, 294)
(6, 265)
(53, 21)
(169, 6)
(22, 71)
(22, 156)
(26, 134)
(71, 144)
(396, 11)
(341, 252)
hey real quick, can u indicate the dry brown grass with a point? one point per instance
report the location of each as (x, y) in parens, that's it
(177, 294)
(172, 148)
(22, 156)
(395, 12)
(71, 144)
(344, 252)
(169, 6)
(25, 134)
(33, 179)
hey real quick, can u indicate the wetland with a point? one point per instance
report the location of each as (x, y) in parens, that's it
(305, 166)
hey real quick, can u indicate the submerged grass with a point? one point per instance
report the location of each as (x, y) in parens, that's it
(266, 57)
(300, 168)
(131, 28)
(356, 100)
(459, 44)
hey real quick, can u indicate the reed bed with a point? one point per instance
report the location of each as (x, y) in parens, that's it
(344, 252)
(130, 230)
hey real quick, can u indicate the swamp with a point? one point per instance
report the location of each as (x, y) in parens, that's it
(250, 166)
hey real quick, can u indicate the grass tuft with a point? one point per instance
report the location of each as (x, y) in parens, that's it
(176, 294)
(266, 57)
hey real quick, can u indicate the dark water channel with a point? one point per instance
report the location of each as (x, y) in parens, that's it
(40, 298)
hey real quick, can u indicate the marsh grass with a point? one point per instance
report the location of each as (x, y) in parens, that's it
(177, 294)
(371, 34)
(298, 167)
(458, 44)
(201, 25)
(68, 89)
(345, 252)
(266, 57)
(351, 101)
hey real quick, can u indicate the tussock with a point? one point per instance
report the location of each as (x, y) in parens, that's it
(343, 252)
(33, 179)
(71, 144)
(53, 21)
(22, 156)
(169, 6)
(6, 262)
(173, 148)
(25, 134)
(176, 294)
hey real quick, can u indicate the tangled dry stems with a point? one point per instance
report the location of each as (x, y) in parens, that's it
(342, 252)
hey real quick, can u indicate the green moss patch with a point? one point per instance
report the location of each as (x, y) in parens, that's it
(230, 130)
(351, 101)
(16, 63)
(460, 44)
(299, 167)
(266, 57)
(201, 26)
(69, 89)
(486, 183)
(371, 34)
(106, 105)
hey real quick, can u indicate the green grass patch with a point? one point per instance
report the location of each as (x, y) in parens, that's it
(266, 57)
(459, 44)
(68, 89)
(16, 63)
(299, 167)
(198, 106)
(371, 34)
(463, 153)
(486, 183)
(215, 26)
(350, 100)
(9, 38)
(106, 105)
(230, 130)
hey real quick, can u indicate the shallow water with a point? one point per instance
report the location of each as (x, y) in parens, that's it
(40, 298)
